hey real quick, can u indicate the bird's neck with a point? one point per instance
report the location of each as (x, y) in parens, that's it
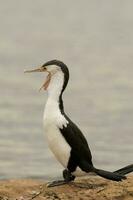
(54, 100)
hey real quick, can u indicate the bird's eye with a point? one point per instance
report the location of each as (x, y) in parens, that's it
(44, 67)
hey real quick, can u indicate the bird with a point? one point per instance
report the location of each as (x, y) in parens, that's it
(64, 137)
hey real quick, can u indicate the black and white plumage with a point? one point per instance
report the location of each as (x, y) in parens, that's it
(65, 139)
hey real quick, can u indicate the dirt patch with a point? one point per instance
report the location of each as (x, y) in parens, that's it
(90, 188)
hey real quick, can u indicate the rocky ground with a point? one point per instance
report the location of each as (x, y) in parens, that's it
(90, 188)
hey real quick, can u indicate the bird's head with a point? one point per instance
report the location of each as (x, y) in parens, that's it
(57, 73)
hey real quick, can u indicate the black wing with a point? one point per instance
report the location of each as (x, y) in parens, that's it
(80, 153)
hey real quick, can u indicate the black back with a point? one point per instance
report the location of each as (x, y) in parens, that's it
(80, 153)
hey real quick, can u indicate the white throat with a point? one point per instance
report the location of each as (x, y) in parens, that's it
(56, 84)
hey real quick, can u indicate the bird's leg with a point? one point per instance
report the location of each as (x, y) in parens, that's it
(68, 177)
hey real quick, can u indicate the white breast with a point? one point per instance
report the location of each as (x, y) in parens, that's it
(53, 120)
(57, 144)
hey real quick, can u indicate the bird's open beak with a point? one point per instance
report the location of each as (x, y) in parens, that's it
(47, 81)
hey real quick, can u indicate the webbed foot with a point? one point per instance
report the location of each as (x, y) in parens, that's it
(68, 177)
(57, 183)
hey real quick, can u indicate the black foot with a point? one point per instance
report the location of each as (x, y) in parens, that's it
(56, 183)
(68, 177)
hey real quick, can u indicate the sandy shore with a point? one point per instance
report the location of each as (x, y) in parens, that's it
(90, 188)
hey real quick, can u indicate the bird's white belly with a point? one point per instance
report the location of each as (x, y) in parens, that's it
(57, 144)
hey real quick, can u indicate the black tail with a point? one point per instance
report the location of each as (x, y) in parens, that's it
(125, 170)
(114, 176)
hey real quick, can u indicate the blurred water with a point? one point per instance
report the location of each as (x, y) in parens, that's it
(94, 38)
